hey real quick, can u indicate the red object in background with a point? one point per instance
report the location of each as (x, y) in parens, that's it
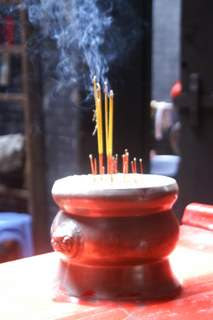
(9, 29)
(176, 89)
(199, 215)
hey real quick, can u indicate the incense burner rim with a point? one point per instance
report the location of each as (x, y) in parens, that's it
(116, 202)
(99, 190)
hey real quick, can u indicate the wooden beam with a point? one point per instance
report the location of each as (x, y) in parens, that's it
(35, 164)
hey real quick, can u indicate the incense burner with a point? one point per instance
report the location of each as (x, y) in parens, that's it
(114, 233)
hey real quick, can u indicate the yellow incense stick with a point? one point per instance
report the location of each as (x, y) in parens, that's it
(111, 111)
(95, 88)
(141, 165)
(106, 116)
(99, 127)
(107, 124)
(99, 120)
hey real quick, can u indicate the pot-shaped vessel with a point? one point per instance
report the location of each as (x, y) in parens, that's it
(115, 233)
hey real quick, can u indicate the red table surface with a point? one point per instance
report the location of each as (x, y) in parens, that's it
(26, 288)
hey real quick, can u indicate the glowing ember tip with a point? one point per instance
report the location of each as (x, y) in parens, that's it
(105, 87)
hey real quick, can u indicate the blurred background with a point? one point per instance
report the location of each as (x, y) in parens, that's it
(156, 55)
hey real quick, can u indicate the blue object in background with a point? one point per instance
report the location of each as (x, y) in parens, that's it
(166, 165)
(17, 227)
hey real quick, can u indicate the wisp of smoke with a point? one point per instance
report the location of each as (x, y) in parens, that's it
(87, 36)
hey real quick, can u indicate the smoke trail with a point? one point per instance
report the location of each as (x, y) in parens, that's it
(87, 36)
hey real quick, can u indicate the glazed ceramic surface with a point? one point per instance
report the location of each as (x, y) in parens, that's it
(115, 234)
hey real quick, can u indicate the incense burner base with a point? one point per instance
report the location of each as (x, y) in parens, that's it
(148, 281)
(116, 257)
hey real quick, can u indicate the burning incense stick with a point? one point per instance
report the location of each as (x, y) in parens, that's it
(99, 127)
(95, 88)
(106, 115)
(116, 163)
(141, 165)
(135, 165)
(123, 163)
(106, 105)
(110, 131)
(91, 164)
(95, 166)
(111, 111)
(126, 161)
(98, 109)
(132, 166)
(107, 124)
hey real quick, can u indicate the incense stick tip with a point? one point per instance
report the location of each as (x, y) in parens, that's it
(105, 87)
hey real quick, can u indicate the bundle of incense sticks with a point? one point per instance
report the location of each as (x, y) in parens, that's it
(104, 129)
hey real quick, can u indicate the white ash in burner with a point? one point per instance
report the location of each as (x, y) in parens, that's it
(85, 183)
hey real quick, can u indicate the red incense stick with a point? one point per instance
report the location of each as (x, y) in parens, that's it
(91, 164)
(141, 165)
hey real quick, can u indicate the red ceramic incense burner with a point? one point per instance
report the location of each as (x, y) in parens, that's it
(115, 234)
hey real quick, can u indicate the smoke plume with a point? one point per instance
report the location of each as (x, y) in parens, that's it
(89, 34)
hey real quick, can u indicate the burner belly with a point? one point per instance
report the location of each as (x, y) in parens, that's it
(119, 258)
